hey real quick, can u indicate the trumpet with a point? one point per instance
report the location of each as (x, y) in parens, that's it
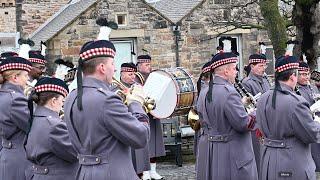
(122, 90)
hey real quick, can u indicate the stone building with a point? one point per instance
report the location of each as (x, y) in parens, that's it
(157, 27)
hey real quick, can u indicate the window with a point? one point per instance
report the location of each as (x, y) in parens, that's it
(121, 19)
(124, 48)
(236, 48)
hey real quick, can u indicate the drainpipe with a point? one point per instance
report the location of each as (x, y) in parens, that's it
(177, 34)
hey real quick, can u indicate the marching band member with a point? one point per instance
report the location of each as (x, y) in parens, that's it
(140, 157)
(48, 145)
(255, 83)
(156, 144)
(306, 90)
(202, 83)
(128, 74)
(225, 148)
(14, 117)
(2, 57)
(38, 66)
(309, 92)
(288, 127)
(102, 129)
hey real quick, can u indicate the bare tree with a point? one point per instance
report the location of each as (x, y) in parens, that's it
(280, 18)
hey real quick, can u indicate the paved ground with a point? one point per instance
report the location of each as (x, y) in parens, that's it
(172, 172)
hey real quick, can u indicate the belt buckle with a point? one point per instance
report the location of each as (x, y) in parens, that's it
(7, 144)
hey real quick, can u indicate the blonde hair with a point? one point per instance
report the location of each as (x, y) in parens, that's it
(9, 74)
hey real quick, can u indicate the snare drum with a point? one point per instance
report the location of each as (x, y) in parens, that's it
(173, 91)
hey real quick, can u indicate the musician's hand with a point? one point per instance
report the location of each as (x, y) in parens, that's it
(246, 101)
(136, 94)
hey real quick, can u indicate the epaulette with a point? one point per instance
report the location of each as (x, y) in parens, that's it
(105, 92)
(229, 87)
(53, 121)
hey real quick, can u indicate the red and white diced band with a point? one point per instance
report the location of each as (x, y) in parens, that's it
(127, 69)
(36, 60)
(15, 66)
(287, 66)
(97, 52)
(223, 62)
(51, 88)
(257, 61)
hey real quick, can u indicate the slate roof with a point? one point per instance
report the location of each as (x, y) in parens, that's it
(172, 10)
(176, 10)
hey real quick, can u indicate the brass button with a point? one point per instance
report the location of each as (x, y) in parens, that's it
(45, 170)
(282, 144)
(97, 159)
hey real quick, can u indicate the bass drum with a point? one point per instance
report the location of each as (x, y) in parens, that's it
(173, 91)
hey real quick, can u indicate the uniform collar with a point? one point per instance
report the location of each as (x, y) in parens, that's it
(219, 80)
(255, 77)
(285, 87)
(96, 83)
(45, 112)
(16, 88)
(300, 85)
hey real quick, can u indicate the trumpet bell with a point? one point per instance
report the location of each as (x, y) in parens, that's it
(193, 120)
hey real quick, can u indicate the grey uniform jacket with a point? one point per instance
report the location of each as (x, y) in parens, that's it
(225, 148)
(156, 143)
(288, 129)
(308, 92)
(255, 84)
(103, 132)
(14, 116)
(49, 147)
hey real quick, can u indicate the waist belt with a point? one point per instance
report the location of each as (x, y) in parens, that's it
(89, 160)
(274, 143)
(216, 138)
(36, 169)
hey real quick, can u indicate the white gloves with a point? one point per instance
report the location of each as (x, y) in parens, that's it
(136, 94)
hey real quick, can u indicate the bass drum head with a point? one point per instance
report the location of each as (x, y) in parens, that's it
(160, 87)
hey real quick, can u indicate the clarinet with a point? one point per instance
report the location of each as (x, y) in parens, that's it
(243, 92)
(296, 89)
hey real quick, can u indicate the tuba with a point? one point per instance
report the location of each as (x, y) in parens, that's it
(122, 90)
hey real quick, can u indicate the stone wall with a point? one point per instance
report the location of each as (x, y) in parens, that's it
(33, 13)
(8, 19)
(197, 42)
(7, 16)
